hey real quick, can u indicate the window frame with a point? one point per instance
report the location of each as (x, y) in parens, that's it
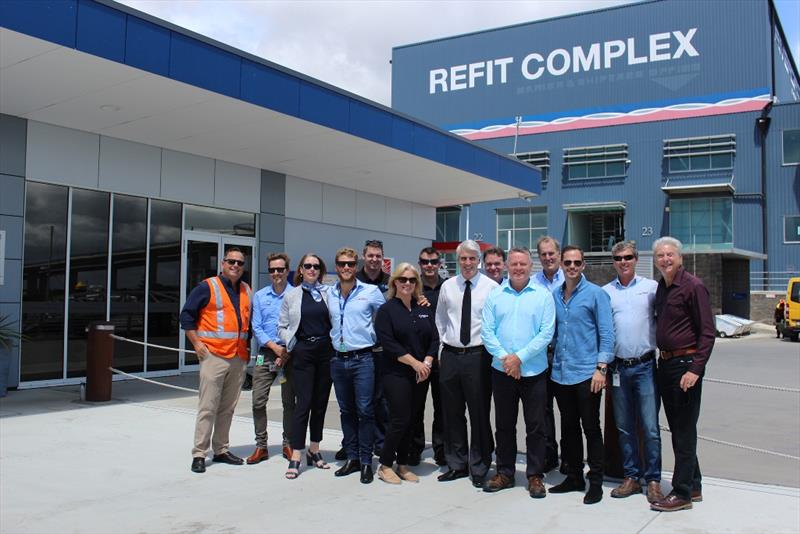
(785, 241)
(783, 149)
(539, 159)
(512, 212)
(714, 146)
(589, 156)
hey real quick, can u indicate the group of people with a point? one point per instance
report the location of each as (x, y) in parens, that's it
(381, 340)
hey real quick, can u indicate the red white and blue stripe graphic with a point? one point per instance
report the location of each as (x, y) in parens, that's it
(559, 122)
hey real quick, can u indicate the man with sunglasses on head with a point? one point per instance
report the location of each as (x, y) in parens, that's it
(584, 346)
(216, 319)
(272, 356)
(352, 308)
(634, 373)
(429, 262)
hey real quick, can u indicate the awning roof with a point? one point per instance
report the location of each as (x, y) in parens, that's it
(717, 187)
(107, 69)
(617, 205)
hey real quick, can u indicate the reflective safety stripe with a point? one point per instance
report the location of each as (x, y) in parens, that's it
(217, 290)
(221, 335)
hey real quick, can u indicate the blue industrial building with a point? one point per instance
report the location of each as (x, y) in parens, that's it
(656, 118)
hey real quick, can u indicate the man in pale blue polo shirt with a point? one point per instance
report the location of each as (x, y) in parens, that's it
(518, 322)
(584, 348)
(634, 373)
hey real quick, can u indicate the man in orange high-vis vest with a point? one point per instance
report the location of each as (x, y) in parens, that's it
(216, 318)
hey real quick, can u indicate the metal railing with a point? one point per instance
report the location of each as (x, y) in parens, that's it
(771, 280)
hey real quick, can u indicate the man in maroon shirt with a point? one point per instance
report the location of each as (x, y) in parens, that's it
(685, 334)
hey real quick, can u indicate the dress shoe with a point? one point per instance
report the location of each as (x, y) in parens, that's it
(341, 454)
(498, 482)
(439, 458)
(228, 457)
(536, 487)
(653, 492)
(671, 503)
(388, 475)
(259, 455)
(405, 473)
(452, 474)
(287, 451)
(594, 495)
(477, 481)
(569, 484)
(628, 487)
(414, 458)
(697, 495)
(198, 465)
(366, 474)
(349, 467)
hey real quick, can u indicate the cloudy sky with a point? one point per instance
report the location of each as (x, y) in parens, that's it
(349, 43)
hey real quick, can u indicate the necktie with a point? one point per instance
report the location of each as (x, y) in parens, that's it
(466, 314)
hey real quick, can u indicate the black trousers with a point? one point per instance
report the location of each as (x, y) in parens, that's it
(405, 399)
(380, 406)
(682, 410)
(437, 438)
(312, 388)
(466, 383)
(507, 393)
(579, 406)
(551, 445)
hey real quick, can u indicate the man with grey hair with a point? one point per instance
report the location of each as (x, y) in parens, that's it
(465, 369)
(635, 394)
(685, 335)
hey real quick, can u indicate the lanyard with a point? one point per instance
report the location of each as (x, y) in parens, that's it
(342, 306)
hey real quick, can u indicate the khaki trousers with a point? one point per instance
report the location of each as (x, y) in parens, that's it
(220, 385)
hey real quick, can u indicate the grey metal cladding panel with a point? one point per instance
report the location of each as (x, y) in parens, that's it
(12, 195)
(783, 190)
(273, 192)
(338, 205)
(187, 178)
(62, 155)
(271, 227)
(128, 167)
(13, 226)
(12, 312)
(237, 186)
(13, 137)
(12, 287)
(303, 198)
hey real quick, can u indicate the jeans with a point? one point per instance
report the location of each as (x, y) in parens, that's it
(354, 382)
(682, 409)
(636, 397)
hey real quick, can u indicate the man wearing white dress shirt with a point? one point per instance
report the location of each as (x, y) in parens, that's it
(465, 369)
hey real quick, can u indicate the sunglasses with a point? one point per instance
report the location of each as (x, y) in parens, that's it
(626, 257)
(429, 262)
(229, 261)
(406, 280)
(310, 266)
(272, 270)
(346, 263)
(569, 263)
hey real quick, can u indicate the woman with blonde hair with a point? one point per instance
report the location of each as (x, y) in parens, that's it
(407, 332)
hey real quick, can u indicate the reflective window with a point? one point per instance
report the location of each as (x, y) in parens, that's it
(700, 153)
(128, 267)
(217, 221)
(524, 225)
(791, 147)
(609, 161)
(43, 282)
(791, 229)
(541, 160)
(88, 272)
(165, 281)
(447, 224)
(704, 223)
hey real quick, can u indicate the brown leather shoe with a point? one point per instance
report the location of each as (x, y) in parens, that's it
(287, 451)
(628, 487)
(259, 455)
(671, 503)
(536, 487)
(497, 483)
(697, 496)
(654, 492)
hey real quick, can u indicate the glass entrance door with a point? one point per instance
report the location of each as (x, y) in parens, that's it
(203, 254)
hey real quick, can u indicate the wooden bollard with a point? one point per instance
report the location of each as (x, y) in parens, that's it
(99, 358)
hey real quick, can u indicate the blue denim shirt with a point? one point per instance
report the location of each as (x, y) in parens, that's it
(266, 308)
(352, 317)
(584, 333)
(520, 323)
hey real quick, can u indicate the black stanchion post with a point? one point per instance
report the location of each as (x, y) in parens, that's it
(99, 357)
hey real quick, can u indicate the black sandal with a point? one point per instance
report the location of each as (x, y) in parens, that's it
(293, 464)
(315, 459)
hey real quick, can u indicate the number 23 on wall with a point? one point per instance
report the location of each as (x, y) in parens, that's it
(647, 231)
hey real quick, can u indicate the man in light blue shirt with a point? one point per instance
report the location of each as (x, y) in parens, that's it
(583, 349)
(352, 307)
(272, 355)
(518, 321)
(634, 373)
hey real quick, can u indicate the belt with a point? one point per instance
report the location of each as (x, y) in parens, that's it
(312, 339)
(463, 350)
(630, 362)
(677, 353)
(351, 353)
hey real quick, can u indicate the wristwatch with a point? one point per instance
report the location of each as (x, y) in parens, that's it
(603, 370)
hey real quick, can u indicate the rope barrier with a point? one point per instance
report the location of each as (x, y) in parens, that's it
(120, 338)
(143, 379)
(754, 386)
(740, 446)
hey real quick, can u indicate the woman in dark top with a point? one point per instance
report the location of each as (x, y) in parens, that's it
(304, 325)
(407, 333)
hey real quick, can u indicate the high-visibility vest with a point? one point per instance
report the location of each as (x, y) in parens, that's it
(217, 326)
